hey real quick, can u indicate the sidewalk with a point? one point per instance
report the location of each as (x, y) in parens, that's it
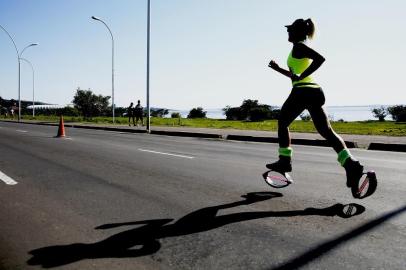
(371, 142)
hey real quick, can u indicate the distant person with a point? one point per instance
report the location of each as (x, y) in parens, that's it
(130, 113)
(138, 111)
(306, 94)
(13, 110)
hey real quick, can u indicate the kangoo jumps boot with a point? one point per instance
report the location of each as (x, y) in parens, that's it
(283, 165)
(354, 171)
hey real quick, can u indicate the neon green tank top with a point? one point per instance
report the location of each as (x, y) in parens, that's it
(297, 66)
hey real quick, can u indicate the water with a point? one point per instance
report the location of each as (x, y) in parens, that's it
(335, 113)
(352, 113)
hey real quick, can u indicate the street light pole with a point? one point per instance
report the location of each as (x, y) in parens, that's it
(18, 60)
(19, 69)
(148, 51)
(33, 83)
(19, 78)
(112, 65)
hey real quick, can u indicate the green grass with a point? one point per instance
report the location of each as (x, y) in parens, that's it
(388, 128)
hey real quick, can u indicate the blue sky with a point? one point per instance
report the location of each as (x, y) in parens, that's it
(208, 53)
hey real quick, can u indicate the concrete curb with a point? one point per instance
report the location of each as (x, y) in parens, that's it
(187, 134)
(243, 138)
(312, 142)
(387, 147)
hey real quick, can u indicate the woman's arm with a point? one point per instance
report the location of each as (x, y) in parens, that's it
(300, 50)
(276, 67)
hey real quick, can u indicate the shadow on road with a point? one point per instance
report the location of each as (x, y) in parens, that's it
(144, 240)
(324, 248)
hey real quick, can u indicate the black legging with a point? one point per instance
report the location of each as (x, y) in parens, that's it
(313, 100)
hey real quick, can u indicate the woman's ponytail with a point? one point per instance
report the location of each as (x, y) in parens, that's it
(310, 28)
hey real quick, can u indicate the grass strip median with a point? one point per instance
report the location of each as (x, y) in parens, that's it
(386, 128)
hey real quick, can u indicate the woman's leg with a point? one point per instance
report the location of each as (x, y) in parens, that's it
(353, 168)
(323, 126)
(290, 110)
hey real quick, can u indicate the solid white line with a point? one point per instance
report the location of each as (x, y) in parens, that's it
(19, 130)
(161, 153)
(7, 179)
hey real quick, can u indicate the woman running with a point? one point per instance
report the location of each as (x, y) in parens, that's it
(306, 94)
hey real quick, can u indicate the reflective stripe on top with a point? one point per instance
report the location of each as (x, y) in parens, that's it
(299, 84)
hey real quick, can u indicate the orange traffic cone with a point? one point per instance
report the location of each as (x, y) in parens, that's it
(61, 129)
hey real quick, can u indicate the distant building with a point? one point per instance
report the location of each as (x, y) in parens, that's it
(49, 106)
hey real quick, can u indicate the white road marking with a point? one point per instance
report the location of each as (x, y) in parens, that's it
(19, 130)
(162, 153)
(6, 179)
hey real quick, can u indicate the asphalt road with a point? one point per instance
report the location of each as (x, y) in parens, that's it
(107, 200)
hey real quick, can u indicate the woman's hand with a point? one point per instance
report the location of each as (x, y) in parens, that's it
(282, 71)
(273, 65)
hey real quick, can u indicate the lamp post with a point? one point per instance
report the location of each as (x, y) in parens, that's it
(112, 64)
(19, 69)
(148, 49)
(19, 78)
(18, 60)
(33, 83)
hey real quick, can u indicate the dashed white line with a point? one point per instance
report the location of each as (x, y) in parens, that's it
(6, 179)
(20, 130)
(162, 153)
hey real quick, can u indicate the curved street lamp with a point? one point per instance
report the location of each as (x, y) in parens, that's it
(18, 60)
(19, 68)
(19, 78)
(33, 83)
(112, 64)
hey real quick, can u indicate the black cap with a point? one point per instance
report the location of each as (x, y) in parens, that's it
(298, 23)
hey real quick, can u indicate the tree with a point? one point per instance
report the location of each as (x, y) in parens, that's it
(159, 112)
(380, 113)
(251, 110)
(259, 113)
(247, 107)
(233, 113)
(398, 113)
(175, 115)
(120, 110)
(197, 113)
(89, 104)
